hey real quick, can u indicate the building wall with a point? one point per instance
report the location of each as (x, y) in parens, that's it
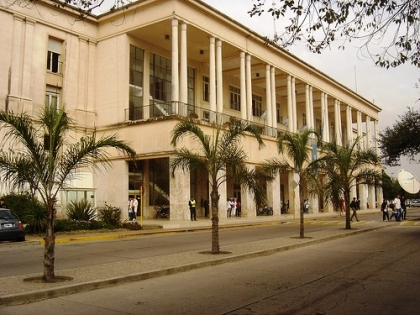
(95, 83)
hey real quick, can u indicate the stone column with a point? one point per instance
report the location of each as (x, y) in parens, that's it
(175, 71)
(248, 209)
(269, 118)
(273, 194)
(337, 122)
(376, 132)
(82, 73)
(273, 101)
(311, 108)
(146, 86)
(307, 107)
(289, 104)
(183, 84)
(249, 88)
(91, 96)
(294, 105)
(212, 78)
(179, 186)
(349, 125)
(243, 86)
(359, 129)
(16, 64)
(27, 61)
(219, 76)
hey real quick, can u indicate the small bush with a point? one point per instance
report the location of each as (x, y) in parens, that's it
(110, 215)
(23, 205)
(81, 211)
(130, 225)
(67, 225)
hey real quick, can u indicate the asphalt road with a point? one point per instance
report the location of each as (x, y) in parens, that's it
(370, 273)
(26, 258)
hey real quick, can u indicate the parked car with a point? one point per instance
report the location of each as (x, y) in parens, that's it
(415, 203)
(11, 228)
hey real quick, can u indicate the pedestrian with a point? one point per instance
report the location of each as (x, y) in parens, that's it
(353, 206)
(397, 204)
(384, 209)
(3, 204)
(238, 208)
(206, 208)
(306, 206)
(233, 207)
(193, 211)
(342, 205)
(403, 209)
(133, 208)
(228, 208)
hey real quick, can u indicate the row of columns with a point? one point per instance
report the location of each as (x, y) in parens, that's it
(180, 94)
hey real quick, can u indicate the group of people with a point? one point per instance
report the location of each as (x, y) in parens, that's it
(233, 208)
(397, 207)
(132, 208)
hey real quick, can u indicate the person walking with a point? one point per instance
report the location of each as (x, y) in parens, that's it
(133, 208)
(206, 208)
(342, 206)
(193, 211)
(353, 206)
(233, 208)
(384, 209)
(397, 204)
(403, 209)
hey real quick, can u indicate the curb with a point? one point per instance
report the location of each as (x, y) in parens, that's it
(28, 297)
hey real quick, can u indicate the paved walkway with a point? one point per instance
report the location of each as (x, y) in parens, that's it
(14, 290)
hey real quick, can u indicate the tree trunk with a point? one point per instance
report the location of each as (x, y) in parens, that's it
(215, 221)
(347, 200)
(302, 213)
(49, 248)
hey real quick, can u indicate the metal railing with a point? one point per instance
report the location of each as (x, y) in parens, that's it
(160, 109)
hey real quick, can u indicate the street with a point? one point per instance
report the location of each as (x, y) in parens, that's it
(370, 273)
(18, 258)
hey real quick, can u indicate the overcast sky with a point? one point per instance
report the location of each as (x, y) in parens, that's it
(393, 90)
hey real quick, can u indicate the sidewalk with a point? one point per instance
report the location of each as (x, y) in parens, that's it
(15, 291)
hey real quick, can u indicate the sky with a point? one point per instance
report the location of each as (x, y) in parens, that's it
(393, 90)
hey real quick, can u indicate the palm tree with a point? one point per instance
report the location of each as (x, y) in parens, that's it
(44, 148)
(347, 166)
(295, 147)
(220, 155)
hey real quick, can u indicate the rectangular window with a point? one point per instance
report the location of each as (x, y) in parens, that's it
(256, 105)
(278, 116)
(318, 126)
(191, 90)
(206, 88)
(54, 55)
(52, 96)
(304, 123)
(136, 83)
(160, 86)
(235, 98)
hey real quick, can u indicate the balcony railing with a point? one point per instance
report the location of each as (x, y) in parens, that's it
(202, 115)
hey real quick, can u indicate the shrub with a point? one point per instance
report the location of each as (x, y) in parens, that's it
(130, 225)
(67, 225)
(22, 204)
(81, 211)
(35, 218)
(110, 215)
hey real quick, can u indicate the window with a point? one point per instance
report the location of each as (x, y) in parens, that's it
(278, 116)
(52, 96)
(136, 83)
(206, 89)
(191, 89)
(256, 105)
(318, 126)
(304, 122)
(54, 55)
(160, 78)
(235, 98)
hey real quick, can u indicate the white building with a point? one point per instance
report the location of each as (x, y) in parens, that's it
(137, 71)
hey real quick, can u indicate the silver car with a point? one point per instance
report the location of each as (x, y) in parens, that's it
(11, 228)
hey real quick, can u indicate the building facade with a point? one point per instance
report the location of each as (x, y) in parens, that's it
(137, 71)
